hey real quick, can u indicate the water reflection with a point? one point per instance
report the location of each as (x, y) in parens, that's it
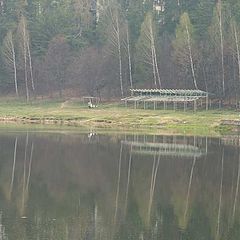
(174, 147)
(56, 186)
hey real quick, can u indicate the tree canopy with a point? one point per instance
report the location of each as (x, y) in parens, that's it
(151, 43)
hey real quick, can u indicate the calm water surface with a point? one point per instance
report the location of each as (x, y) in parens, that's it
(99, 187)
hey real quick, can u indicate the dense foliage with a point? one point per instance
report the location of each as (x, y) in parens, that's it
(104, 47)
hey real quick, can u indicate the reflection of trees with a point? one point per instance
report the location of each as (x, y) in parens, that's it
(13, 168)
(234, 231)
(199, 225)
(132, 226)
(237, 189)
(220, 198)
(153, 184)
(74, 195)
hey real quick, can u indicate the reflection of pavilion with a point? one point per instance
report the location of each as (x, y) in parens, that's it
(165, 148)
(156, 147)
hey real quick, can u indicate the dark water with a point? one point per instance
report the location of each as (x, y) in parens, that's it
(92, 187)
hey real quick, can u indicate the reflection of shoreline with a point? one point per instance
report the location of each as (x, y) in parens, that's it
(165, 149)
(233, 140)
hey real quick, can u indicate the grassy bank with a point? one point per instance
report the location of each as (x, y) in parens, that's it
(115, 116)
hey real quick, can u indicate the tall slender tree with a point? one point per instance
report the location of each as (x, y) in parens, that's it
(115, 37)
(146, 48)
(23, 36)
(185, 52)
(220, 22)
(9, 54)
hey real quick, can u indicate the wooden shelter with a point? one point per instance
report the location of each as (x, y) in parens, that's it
(166, 96)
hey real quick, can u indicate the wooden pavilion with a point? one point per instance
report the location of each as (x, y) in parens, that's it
(166, 96)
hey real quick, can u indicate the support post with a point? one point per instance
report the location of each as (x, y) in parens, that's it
(164, 105)
(135, 104)
(184, 105)
(144, 105)
(195, 105)
(154, 105)
(206, 149)
(207, 102)
(174, 106)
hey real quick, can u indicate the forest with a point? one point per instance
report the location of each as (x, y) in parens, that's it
(62, 48)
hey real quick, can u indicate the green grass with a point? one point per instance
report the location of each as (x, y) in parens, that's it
(115, 116)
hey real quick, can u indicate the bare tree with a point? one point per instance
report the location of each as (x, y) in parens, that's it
(22, 32)
(219, 14)
(30, 65)
(129, 56)
(10, 56)
(184, 45)
(234, 45)
(190, 55)
(115, 38)
(147, 48)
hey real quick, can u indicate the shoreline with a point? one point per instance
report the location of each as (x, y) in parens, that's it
(114, 116)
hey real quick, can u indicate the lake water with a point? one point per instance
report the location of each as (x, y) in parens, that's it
(115, 186)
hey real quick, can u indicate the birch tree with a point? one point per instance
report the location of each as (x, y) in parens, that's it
(30, 65)
(219, 15)
(234, 45)
(217, 45)
(129, 57)
(126, 41)
(146, 48)
(26, 53)
(114, 38)
(10, 56)
(22, 32)
(185, 54)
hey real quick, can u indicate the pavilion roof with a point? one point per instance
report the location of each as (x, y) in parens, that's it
(171, 91)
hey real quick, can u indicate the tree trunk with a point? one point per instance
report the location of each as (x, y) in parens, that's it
(238, 53)
(129, 59)
(30, 66)
(191, 58)
(156, 66)
(119, 54)
(221, 42)
(25, 60)
(153, 55)
(14, 69)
